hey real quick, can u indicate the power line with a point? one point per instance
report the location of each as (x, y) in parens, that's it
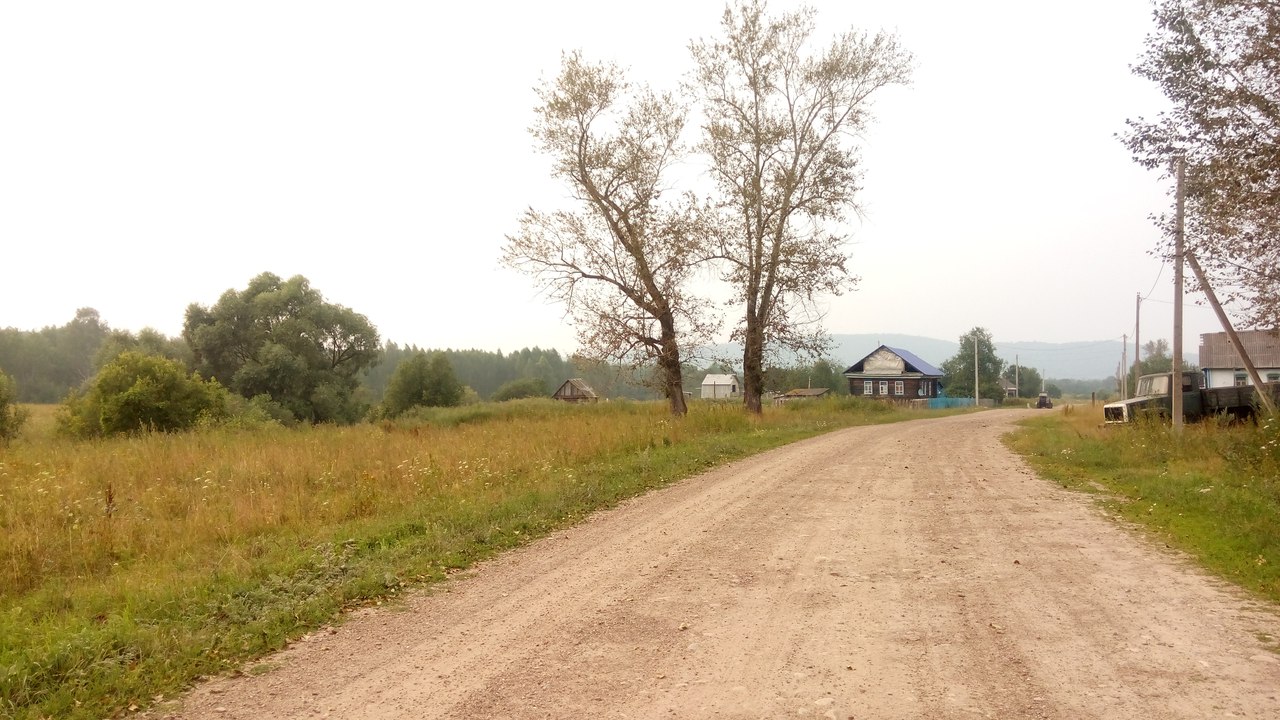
(1163, 263)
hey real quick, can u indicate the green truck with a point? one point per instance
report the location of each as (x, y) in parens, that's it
(1154, 400)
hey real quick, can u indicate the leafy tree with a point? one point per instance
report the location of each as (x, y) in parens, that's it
(1027, 378)
(623, 260)
(12, 417)
(421, 380)
(1218, 62)
(1053, 391)
(958, 371)
(522, 388)
(282, 339)
(1156, 358)
(821, 374)
(148, 341)
(137, 393)
(780, 126)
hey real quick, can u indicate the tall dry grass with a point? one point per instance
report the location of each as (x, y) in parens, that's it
(71, 511)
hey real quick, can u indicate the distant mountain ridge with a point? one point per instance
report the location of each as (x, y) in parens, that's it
(1055, 361)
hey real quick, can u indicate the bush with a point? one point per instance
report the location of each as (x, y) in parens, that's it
(522, 388)
(421, 380)
(137, 392)
(12, 417)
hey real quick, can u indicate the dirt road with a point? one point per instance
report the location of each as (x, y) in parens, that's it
(916, 570)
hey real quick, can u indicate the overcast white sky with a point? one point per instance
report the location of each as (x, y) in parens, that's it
(154, 154)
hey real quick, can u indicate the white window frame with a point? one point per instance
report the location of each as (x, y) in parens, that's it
(868, 387)
(884, 387)
(899, 387)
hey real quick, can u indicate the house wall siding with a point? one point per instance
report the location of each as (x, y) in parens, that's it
(910, 390)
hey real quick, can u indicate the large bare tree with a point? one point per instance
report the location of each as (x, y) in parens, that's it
(623, 259)
(781, 124)
(1218, 62)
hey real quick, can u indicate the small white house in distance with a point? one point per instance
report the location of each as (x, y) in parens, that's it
(1222, 367)
(715, 387)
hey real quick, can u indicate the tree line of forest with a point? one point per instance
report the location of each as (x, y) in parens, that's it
(277, 352)
(49, 363)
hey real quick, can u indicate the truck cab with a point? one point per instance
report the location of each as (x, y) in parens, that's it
(1154, 398)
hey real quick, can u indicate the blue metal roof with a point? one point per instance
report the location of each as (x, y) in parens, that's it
(920, 365)
(913, 363)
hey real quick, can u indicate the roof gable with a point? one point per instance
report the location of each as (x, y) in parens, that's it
(575, 388)
(911, 364)
(719, 379)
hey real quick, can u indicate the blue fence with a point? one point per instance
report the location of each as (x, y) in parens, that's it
(941, 403)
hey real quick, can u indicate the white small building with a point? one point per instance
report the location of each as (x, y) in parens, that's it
(1222, 367)
(718, 387)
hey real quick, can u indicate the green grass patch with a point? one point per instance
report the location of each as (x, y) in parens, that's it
(1213, 491)
(131, 567)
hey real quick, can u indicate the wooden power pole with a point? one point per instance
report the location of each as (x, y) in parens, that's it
(1175, 388)
(1137, 349)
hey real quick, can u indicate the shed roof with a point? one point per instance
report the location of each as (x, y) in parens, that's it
(719, 379)
(807, 392)
(575, 387)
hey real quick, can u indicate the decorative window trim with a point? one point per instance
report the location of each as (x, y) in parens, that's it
(899, 387)
(868, 387)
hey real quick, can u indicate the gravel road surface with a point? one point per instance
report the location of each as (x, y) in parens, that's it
(914, 570)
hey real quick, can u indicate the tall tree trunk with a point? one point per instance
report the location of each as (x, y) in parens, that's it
(753, 370)
(669, 366)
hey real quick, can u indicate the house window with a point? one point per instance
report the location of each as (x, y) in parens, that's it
(884, 387)
(1273, 377)
(898, 388)
(867, 388)
(1241, 379)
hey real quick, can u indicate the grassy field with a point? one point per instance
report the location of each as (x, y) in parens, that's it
(130, 567)
(1213, 492)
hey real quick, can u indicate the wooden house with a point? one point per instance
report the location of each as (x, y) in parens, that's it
(575, 390)
(893, 374)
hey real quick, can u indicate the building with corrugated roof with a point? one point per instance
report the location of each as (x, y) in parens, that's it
(1222, 366)
(893, 374)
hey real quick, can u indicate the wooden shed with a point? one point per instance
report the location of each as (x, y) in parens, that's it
(575, 390)
(717, 386)
(800, 394)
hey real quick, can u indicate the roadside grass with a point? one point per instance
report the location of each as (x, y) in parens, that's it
(1213, 492)
(131, 567)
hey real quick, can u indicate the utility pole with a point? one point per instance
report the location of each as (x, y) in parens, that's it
(1124, 368)
(1017, 381)
(1178, 241)
(975, 370)
(1137, 349)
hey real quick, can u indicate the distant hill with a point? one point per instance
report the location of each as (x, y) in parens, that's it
(1074, 361)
